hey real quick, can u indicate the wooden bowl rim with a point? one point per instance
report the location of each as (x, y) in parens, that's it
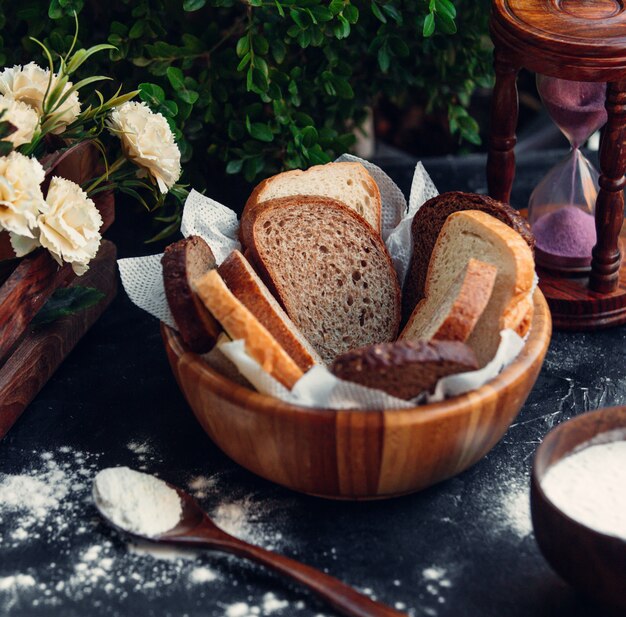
(536, 345)
(537, 474)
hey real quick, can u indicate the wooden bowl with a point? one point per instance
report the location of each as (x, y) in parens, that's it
(357, 454)
(589, 560)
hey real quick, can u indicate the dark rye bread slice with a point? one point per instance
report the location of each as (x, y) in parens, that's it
(427, 224)
(404, 369)
(183, 262)
(250, 290)
(328, 268)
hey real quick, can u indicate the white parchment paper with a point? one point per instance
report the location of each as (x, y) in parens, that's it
(142, 278)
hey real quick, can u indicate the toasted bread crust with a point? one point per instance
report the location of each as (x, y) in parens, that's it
(404, 369)
(240, 323)
(427, 224)
(196, 325)
(478, 281)
(256, 195)
(247, 289)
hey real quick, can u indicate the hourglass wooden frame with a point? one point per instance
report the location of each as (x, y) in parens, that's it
(579, 40)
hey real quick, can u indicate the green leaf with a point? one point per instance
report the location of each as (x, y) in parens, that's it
(351, 13)
(384, 59)
(67, 301)
(445, 7)
(244, 62)
(6, 147)
(309, 136)
(176, 78)
(429, 25)
(261, 131)
(151, 94)
(377, 13)
(243, 46)
(193, 5)
(137, 30)
(446, 24)
(234, 167)
(336, 6)
(260, 44)
(188, 96)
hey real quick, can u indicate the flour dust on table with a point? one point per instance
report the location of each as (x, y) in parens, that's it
(49, 505)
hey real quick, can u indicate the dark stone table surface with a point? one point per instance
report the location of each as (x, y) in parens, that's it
(462, 548)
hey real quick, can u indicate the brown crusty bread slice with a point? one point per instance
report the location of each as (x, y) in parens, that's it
(454, 318)
(183, 262)
(349, 183)
(473, 233)
(240, 323)
(404, 369)
(427, 224)
(328, 268)
(250, 290)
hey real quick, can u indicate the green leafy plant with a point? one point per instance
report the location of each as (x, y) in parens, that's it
(256, 86)
(65, 302)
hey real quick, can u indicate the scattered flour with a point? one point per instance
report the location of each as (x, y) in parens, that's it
(137, 502)
(202, 575)
(49, 503)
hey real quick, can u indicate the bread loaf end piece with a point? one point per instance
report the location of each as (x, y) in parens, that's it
(183, 262)
(329, 270)
(454, 317)
(240, 323)
(250, 290)
(404, 369)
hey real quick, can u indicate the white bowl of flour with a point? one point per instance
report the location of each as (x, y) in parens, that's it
(578, 503)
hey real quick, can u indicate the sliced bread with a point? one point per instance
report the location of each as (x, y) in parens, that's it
(328, 268)
(240, 323)
(183, 262)
(473, 233)
(349, 183)
(404, 369)
(427, 224)
(250, 290)
(461, 306)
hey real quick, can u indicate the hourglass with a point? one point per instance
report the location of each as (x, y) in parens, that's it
(561, 209)
(577, 41)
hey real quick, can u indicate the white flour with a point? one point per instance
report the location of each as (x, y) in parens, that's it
(589, 486)
(48, 504)
(137, 502)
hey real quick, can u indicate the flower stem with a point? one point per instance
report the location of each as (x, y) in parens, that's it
(112, 168)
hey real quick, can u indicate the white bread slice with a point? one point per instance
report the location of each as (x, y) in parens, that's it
(240, 323)
(463, 303)
(349, 183)
(250, 290)
(472, 233)
(328, 268)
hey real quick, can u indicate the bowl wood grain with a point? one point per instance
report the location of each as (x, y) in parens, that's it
(357, 454)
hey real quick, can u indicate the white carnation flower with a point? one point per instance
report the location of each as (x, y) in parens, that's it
(70, 228)
(147, 141)
(21, 200)
(23, 117)
(29, 83)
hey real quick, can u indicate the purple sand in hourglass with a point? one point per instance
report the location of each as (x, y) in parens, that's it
(566, 232)
(576, 107)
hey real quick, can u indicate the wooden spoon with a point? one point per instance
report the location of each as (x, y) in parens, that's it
(196, 529)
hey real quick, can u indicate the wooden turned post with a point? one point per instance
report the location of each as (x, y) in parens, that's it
(504, 112)
(606, 260)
